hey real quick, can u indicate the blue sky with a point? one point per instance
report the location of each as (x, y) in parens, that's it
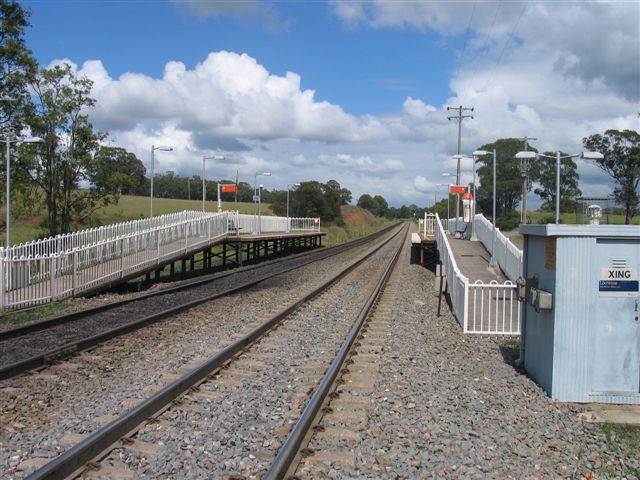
(355, 91)
(357, 68)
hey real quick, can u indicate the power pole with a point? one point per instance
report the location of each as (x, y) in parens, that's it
(524, 170)
(459, 116)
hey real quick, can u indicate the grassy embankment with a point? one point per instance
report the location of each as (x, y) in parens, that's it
(357, 222)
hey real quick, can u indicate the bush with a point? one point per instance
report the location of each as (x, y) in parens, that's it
(509, 220)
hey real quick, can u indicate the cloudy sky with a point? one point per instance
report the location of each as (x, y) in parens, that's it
(352, 91)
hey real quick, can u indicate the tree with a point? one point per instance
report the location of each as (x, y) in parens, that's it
(381, 206)
(345, 196)
(117, 171)
(66, 157)
(18, 66)
(508, 179)
(544, 171)
(621, 150)
(366, 201)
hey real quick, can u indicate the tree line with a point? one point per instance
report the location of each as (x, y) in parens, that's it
(52, 104)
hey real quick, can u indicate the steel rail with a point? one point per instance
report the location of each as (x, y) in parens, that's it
(291, 447)
(69, 317)
(44, 359)
(97, 444)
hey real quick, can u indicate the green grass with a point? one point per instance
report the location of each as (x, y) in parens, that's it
(570, 218)
(623, 441)
(128, 208)
(344, 234)
(17, 319)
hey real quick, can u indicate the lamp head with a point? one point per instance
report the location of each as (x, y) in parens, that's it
(526, 155)
(266, 174)
(479, 153)
(592, 155)
(164, 149)
(447, 175)
(32, 140)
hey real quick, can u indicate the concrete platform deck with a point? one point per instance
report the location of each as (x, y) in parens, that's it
(473, 261)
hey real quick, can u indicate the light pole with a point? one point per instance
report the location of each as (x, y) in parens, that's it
(479, 153)
(153, 149)
(288, 189)
(204, 188)
(256, 199)
(526, 155)
(7, 141)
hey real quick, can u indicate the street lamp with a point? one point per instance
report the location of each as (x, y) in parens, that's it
(17, 141)
(256, 198)
(153, 149)
(479, 153)
(586, 155)
(204, 191)
(289, 188)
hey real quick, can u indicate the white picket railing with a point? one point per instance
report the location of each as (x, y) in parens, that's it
(55, 268)
(491, 308)
(271, 224)
(509, 256)
(429, 224)
(457, 283)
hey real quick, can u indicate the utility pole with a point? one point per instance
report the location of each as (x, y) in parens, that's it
(459, 116)
(524, 170)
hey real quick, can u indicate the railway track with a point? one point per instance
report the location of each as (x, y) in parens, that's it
(217, 391)
(39, 344)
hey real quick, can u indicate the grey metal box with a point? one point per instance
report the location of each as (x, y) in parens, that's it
(586, 348)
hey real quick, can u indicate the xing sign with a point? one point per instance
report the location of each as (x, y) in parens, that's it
(618, 282)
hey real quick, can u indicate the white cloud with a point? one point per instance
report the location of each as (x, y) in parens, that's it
(362, 164)
(558, 84)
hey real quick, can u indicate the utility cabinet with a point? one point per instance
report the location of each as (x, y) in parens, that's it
(581, 318)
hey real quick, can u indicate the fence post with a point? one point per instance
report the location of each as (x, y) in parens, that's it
(52, 277)
(186, 238)
(74, 271)
(466, 305)
(158, 245)
(2, 276)
(121, 257)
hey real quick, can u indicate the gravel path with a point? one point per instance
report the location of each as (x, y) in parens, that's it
(447, 405)
(41, 415)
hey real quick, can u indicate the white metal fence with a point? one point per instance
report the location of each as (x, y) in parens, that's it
(509, 256)
(457, 283)
(491, 308)
(428, 225)
(55, 268)
(271, 224)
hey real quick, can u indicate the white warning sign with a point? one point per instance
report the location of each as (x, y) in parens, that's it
(618, 282)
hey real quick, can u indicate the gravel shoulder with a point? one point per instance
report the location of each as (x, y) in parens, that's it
(448, 405)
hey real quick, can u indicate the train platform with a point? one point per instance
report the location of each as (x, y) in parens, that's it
(473, 260)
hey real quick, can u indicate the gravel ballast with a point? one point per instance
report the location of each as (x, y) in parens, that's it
(448, 405)
(39, 411)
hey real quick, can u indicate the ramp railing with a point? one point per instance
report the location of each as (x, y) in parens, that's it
(489, 308)
(457, 283)
(60, 267)
(509, 256)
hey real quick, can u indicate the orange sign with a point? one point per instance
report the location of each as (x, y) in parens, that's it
(467, 196)
(228, 188)
(457, 189)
